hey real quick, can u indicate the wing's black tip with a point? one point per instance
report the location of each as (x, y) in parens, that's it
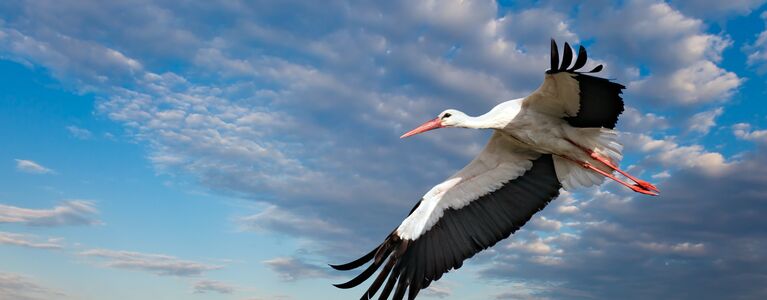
(356, 263)
(581, 60)
(344, 285)
(554, 56)
(567, 57)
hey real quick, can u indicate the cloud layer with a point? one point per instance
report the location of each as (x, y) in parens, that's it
(303, 117)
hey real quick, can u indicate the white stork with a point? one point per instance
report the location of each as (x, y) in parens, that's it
(560, 136)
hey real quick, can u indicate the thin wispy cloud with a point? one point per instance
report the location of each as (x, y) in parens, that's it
(28, 166)
(30, 241)
(159, 264)
(19, 287)
(293, 268)
(207, 286)
(67, 213)
(273, 218)
(80, 133)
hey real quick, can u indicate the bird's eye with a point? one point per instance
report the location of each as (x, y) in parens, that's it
(447, 115)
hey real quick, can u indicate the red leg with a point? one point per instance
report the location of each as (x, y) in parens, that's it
(634, 187)
(644, 184)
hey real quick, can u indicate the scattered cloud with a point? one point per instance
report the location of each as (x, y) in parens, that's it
(18, 287)
(702, 122)
(28, 166)
(205, 286)
(717, 9)
(757, 51)
(159, 264)
(273, 218)
(67, 213)
(545, 224)
(292, 268)
(632, 120)
(669, 153)
(743, 131)
(685, 248)
(80, 133)
(438, 289)
(25, 240)
(700, 82)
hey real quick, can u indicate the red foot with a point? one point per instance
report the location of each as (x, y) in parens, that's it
(647, 186)
(639, 189)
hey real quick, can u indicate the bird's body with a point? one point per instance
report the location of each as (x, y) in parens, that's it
(559, 136)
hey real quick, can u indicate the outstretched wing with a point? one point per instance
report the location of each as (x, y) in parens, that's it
(492, 197)
(582, 100)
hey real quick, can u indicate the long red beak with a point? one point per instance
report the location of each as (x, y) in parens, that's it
(433, 124)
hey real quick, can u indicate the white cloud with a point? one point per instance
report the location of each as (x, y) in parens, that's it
(88, 63)
(25, 240)
(29, 166)
(18, 287)
(291, 268)
(671, 154)
(163, 265)
(699, 83)
(661, 175)
(632, 120)
(685, 248)
(717, 8)
(545, 224)
(743, 131)
(80, 133)
(537, 247)
(757, 51)
(676, 49)
(205, 286)
(438, 289)
(68, 213)
(703, 121)
(273, 218)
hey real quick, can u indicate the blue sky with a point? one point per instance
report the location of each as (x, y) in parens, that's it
(231, 149)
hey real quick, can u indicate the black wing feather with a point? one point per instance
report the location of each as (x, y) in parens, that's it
(554, 56)
(581, 60)
(567, 57)
(462, 233)
(600, 98)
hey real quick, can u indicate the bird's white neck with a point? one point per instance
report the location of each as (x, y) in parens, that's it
(496, 118)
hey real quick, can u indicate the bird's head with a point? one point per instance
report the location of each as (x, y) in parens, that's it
(447, 118)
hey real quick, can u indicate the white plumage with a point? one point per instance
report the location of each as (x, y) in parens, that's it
(498, 163)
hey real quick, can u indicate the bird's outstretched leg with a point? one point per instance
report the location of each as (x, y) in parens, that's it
(641, 183)
(634, 187)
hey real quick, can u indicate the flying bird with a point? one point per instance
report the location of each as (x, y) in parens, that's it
(560, 136)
